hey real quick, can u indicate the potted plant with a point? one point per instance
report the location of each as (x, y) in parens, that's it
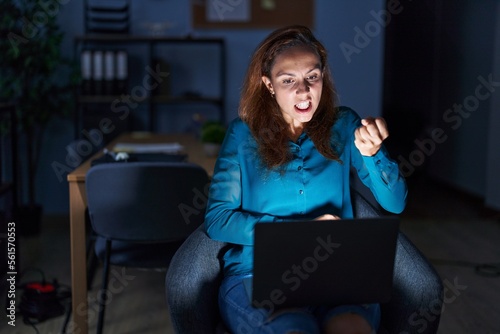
(212, 135)
(32, 77)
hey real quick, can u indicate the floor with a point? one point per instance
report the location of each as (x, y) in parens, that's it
(461, 238)
(453, 230)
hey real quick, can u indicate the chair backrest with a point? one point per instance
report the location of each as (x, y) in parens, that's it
(146, 201)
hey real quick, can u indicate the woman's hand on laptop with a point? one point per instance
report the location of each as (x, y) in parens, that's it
(327, 217)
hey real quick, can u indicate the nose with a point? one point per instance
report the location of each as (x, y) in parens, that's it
(303, 87)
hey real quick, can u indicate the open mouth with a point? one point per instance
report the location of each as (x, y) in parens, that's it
(303, 106)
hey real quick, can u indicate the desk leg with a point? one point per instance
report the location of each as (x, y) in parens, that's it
(78, 204)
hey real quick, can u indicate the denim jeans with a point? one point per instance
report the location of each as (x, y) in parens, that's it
(242, 318)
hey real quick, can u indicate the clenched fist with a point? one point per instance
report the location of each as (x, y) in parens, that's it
(369, 136)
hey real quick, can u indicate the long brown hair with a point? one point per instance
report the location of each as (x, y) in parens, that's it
(259, 109)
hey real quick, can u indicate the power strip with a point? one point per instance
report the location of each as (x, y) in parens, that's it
(41, 301)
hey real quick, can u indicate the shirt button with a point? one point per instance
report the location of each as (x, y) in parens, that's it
(299, 168)
(378, 162)
(301, 191)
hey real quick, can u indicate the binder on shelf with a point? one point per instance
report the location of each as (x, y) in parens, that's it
(121, 71)
(109, 73)
(98, 72)
(86, 71)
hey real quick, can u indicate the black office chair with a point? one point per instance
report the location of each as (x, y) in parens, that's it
(195, 273)
(142, 212)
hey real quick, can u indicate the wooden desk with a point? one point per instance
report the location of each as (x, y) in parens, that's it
(78, 205)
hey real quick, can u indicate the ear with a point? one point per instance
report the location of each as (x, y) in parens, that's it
(268, 84)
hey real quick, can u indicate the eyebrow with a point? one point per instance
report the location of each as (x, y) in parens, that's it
(316, 67)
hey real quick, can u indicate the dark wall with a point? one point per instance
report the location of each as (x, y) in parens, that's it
(437, 54)
(409, 65)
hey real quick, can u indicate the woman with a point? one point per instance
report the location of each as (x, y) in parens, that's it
(288, 156)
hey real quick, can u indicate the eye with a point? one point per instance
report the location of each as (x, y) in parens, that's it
(287, 81)
(313, 77)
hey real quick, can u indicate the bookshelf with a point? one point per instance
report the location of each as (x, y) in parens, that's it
(151, 98)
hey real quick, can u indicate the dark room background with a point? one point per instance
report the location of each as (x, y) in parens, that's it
(412, 62)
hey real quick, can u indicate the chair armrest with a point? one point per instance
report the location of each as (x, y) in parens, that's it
(417, 294)
(361, 207)
(192, 284)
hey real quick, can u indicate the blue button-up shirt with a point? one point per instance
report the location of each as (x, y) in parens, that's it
(244, 193)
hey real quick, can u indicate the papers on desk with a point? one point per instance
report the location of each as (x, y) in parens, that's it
(148, 148)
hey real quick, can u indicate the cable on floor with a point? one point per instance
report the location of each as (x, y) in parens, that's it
(42, 300)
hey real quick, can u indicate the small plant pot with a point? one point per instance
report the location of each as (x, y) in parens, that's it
(211, 149)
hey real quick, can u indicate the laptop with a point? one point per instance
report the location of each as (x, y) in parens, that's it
(333, 262)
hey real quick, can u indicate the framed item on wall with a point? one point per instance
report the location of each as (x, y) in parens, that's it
(248, 14)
